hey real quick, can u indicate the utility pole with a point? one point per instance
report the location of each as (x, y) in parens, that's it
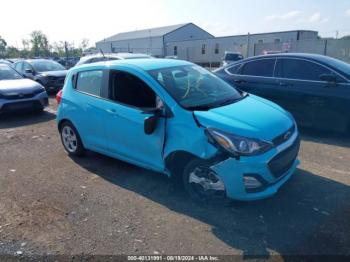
(336, 34)
(66, 51)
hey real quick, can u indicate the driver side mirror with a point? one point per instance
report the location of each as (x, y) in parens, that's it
(330, 78)
(150, 124)
(29, 71)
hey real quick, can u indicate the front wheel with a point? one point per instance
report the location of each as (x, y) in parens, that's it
(71, 140)
(202, 183)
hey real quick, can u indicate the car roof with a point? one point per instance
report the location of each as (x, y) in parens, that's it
(144, 64)
(317, 57)
(35, 60)
(335, 64)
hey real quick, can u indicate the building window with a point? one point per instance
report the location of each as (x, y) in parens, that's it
(216, 51)
(175, 50)
(203, 49)
(260, 41)
(277, 40)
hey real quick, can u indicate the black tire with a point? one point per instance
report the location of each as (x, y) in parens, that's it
(193, 189)
(39, 109)
(77, 148)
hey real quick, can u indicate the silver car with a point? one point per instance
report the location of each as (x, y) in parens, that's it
(107, 57)
(19, 93)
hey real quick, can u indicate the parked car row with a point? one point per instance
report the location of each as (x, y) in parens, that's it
(18, 93)
(48, 73)
(179, 119)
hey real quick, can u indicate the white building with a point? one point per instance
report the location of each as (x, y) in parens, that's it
(152, 41)
(192, 43)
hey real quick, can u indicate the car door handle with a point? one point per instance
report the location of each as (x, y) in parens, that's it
(112, 111)
(240, 81)
(284, 84)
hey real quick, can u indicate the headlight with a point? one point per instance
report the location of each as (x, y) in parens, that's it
(237, 145)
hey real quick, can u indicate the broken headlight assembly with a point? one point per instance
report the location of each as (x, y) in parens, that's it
(237, 145)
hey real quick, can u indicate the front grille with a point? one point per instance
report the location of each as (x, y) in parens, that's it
(283, 161)
(284, 136)
(19, 106)
(57, 81)
(18, 96)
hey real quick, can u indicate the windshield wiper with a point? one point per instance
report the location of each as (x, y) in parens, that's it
(199, 107)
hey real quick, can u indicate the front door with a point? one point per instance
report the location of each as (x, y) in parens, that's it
(130, 101)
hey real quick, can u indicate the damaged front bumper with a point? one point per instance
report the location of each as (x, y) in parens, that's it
(270, 171)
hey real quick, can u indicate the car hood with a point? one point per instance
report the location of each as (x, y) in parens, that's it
(19, 85)
(54, 73)
(252, 117)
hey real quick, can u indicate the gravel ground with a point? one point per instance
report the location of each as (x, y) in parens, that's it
(53, 204)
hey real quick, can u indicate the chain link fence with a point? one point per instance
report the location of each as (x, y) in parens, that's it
(337, 48)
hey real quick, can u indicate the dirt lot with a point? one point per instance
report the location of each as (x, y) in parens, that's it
(53, 204)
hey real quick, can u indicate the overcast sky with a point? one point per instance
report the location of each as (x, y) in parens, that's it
(73, 20)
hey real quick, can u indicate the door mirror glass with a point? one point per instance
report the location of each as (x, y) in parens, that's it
(150, 124)
(28, 71)
(328, 78)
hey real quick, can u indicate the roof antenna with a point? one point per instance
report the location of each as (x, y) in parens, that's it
(102, 53)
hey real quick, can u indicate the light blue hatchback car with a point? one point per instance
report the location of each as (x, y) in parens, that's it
(177, 118)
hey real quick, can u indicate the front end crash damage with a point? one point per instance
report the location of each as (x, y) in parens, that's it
(243, 178)
(232, 172)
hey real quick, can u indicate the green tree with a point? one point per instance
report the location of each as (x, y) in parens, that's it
(84, 44)
(3, 45)
(39, 43)
(12, 52)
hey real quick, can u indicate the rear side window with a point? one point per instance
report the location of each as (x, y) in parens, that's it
(262, 67)
(90, 82)
(300, 69)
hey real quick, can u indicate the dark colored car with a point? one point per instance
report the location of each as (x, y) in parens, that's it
(19, 93)
(48, 73)
(231, 57)
(314, 88)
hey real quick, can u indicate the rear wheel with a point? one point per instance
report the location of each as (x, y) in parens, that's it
(71, 140)
(202, 183)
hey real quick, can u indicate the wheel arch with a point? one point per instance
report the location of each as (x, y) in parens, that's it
(176, 161)
(63, 120)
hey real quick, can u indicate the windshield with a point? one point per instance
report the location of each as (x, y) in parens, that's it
(8, 73)
(195, 88)
(44, 66)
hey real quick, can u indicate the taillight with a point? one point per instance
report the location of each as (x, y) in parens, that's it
(59, 96)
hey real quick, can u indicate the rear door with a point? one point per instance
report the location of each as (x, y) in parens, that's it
(87, 110)
(312, 101)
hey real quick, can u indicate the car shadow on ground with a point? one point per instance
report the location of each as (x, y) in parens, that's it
(19, 119)
(325, 137)
(309, 215)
